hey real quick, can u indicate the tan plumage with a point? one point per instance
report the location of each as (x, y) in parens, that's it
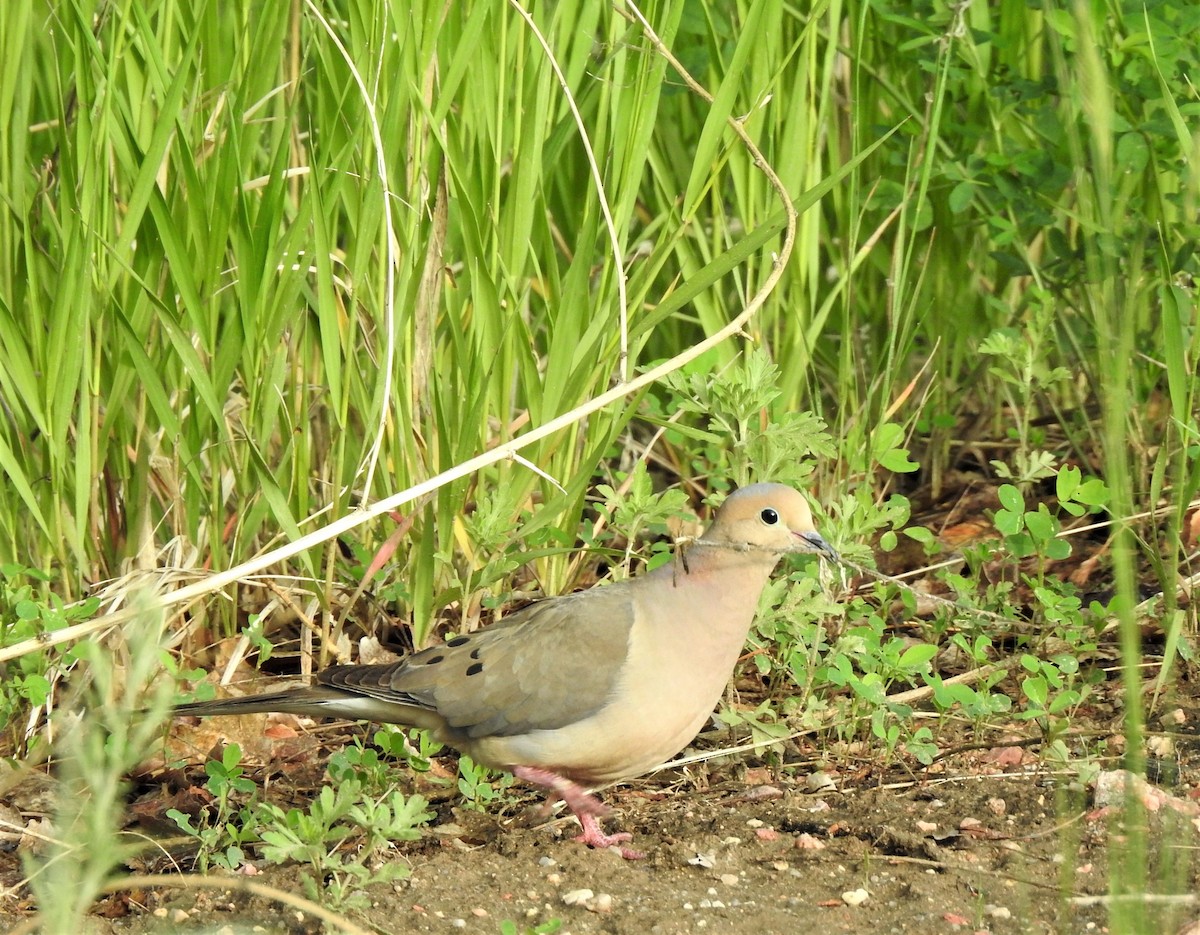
(588, 687)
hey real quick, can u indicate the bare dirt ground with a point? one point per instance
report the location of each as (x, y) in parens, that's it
(992, 838)
(988, 840)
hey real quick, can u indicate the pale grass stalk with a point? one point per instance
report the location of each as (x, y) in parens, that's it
(609, 224)
(391, 249)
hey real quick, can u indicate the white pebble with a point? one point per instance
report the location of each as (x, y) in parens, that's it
(855, 897)
(729, 879)
(577, 897)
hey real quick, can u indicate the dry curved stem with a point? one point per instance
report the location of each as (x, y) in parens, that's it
(188, 595)
(241, 884)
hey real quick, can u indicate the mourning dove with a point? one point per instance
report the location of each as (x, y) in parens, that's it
(589, 687)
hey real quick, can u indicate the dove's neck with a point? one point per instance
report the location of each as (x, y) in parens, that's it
(716, 589)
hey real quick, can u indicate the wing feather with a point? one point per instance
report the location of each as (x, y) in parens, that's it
(548, 665)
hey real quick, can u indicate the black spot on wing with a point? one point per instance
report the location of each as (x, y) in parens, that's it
(433, 660)
(458, 641)
(475, 668)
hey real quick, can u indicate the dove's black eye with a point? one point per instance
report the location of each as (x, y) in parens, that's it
(769, 516)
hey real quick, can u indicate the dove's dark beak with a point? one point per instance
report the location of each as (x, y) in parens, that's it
(814, 542)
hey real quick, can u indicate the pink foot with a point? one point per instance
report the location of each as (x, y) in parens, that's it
(594, 836)
(583, 805)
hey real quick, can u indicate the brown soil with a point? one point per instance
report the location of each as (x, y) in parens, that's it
(989, 841)
(991, 838)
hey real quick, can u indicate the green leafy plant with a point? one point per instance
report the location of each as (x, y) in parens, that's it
(549, 927)
(121, 705)
(637, 510)
(1036, 532)
(737, 429)
(29, 610)
(766, 727)
(317, 837)
(221, 834)
(479, 785)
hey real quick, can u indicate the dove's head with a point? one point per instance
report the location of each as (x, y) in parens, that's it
(774, 517)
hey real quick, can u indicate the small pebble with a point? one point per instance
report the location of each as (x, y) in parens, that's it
(602, 903)
(459, 923)
(479, 912)
(762, 793)
(731, 841)
(855, 897)
(547, 862)
(554, 878)
(998, 912)
(755, 823)
(577, 897)
(729, 879)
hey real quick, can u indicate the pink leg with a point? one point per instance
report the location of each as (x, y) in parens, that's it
(583, 805)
